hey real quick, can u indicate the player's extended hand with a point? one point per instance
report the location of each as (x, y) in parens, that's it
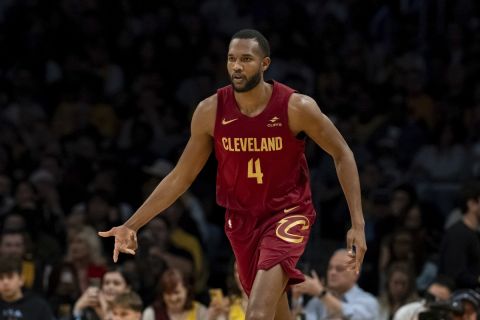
(125, 240)
(356, 246)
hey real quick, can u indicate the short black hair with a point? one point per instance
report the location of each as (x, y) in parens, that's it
(254, 34)
(10, 264)
(469, 191)
(129, 281)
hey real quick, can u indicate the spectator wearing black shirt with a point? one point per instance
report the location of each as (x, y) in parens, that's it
(14, 304)
(460, 251)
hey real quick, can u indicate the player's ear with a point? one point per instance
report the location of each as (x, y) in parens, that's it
(266, 63)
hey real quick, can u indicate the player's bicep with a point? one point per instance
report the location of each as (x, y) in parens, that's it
(307, 117)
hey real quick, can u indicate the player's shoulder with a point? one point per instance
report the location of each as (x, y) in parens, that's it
(207, 106)
(204, 115)
(301, 102)
(209, 102)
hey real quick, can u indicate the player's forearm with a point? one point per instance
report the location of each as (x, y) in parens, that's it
(164, 195)
(348, 176)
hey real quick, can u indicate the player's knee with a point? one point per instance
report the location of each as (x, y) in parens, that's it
(256, 314)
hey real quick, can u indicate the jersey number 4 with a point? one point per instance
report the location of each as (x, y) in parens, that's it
(255, 172)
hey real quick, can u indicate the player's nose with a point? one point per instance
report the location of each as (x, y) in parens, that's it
(237, 67)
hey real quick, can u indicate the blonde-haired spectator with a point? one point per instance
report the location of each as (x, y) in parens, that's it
(84, 251)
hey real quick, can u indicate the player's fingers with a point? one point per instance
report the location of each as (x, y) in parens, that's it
(129, 251)
(115, 254)
(352, 266)
(134, 239)
(359, 260)
(108, 233)
(350, 263)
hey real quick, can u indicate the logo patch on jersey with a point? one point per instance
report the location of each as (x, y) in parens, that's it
(288, 223)
(287, 210)
(225, 121)
(274, 123)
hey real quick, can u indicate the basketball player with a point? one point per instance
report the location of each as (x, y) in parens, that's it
(257, 129)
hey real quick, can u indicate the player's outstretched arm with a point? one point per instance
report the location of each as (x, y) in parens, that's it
(305, 115)
(191, 162)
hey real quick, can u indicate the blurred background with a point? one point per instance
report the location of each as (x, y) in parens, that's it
(96, 99)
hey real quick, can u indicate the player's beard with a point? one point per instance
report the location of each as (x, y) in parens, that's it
(250, 83)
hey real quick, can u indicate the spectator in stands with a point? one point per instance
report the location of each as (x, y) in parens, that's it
(232, 307)
(14, 304)
(84, 251)
(439, 291)
(96, 301)
(63, 290)
(467, 303)
(340, 298)
(15, 244)
(460, 250)
(400, 290)
(175, 299)
(127, 306)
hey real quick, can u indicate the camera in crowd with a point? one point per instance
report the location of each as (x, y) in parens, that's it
(462, 302)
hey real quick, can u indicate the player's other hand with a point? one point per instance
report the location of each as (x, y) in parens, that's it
(356, 247)
(125, 240)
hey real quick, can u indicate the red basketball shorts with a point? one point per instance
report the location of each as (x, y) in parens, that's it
(260, 242)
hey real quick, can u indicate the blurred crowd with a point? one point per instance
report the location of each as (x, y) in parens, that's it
(95, 103)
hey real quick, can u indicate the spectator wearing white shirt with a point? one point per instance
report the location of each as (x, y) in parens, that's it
(340, 298)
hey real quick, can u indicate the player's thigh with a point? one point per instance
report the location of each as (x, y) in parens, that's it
(268, 287)
(283, 310)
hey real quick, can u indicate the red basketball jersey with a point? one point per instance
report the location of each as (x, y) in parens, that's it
(261, 164)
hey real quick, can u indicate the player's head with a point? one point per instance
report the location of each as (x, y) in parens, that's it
(255, 35)
(248, 59)
(127, 306)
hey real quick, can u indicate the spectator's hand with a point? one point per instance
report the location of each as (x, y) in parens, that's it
(102, 308)
(217, 308)
(125, 240)
(89, 298)
(312, 286)
(356, 238)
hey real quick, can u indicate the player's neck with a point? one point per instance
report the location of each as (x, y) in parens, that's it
(253, 102)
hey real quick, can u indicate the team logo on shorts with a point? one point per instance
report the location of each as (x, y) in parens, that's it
(288, 223)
